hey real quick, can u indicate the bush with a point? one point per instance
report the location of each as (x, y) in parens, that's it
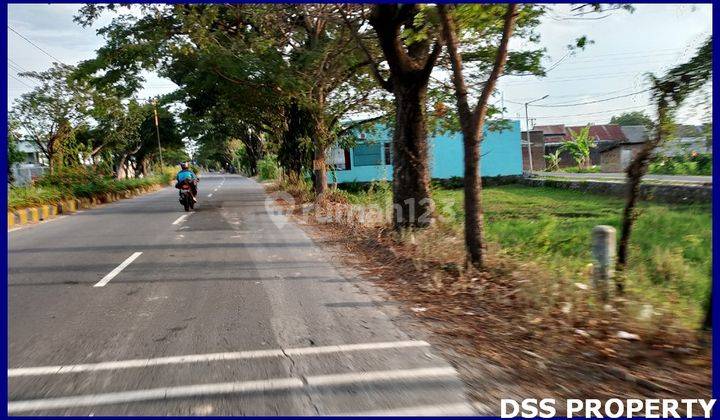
(268, 168)
(590, 169)
(79, 182)
(691, 164)
(31, 196)
(298, 186)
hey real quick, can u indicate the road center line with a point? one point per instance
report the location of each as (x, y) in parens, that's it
(209, 195)
(117, 270)
(229, 388)
(180, 219)
(210, 357)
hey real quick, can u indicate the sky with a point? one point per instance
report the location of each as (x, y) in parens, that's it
(625, 46)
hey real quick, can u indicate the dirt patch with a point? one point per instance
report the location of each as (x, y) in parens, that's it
(513, 331)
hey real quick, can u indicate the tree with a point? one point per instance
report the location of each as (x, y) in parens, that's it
(51, 112)
(410, 48)
(632, 118)
(668, 92)
(246, 63)
(472, 122)
(579, 146)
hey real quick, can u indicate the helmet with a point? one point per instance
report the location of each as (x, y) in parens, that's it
(184, 165)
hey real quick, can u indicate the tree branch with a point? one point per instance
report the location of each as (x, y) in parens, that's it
(451, 41)
(498, 67)
(374, 67)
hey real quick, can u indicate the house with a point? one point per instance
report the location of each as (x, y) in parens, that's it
(688, 139)
(617, 157)
(33, 155)
(371, 158)
(34, 165)
(605, 136)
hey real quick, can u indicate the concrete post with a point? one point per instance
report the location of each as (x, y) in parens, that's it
(603, 251)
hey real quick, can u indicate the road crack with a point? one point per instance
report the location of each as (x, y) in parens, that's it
(303, 378)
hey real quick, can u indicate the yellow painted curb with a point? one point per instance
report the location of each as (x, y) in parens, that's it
(34, 214)
(22, 216)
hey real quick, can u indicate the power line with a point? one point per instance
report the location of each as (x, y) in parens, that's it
(575, 79)
(522, 101)
(34, 45)
(14, 67)
(593, 113)
(14, 63)
(20, 81)
(653, 52)
(615, 66)
(590, 102)
(623, 57)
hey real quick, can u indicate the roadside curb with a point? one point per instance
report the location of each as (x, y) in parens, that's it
(32, 215)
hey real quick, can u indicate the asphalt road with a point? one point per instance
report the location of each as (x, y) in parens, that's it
(226, 311)
(669, 179)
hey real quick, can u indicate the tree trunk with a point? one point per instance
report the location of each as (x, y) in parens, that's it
(143, 167)
(320, 184)
(473, 199)
(410, 67)
(292, 153)
(707, 322)
(412, 205)
(120, 165)
(635, 171)
(472, 127)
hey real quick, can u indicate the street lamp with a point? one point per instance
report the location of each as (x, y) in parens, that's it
(157, 130)
(527, 128)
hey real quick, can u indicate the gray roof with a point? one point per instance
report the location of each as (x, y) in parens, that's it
(635, 133)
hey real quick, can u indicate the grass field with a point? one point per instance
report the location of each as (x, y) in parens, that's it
(670, 257)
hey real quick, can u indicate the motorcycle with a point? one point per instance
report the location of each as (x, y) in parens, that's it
(186, 196)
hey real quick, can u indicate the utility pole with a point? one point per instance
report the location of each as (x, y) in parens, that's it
(157, 131)
(527, 131)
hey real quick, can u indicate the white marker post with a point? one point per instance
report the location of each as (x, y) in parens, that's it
(603, 251)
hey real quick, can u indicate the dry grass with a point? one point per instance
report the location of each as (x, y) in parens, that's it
(518, 328)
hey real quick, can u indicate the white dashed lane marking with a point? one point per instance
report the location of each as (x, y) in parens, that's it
(111, 275)
(180, 219)
(210, 357)
(189, 391)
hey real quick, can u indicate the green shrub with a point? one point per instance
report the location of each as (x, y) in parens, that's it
(578, 170)
(268, 168)
(79, 182)
(690, 164)
(31, 196)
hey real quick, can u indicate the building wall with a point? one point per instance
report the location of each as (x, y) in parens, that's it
(611, 160)
(500, 153)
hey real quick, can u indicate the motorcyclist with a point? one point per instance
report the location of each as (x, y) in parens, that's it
(186, 175)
